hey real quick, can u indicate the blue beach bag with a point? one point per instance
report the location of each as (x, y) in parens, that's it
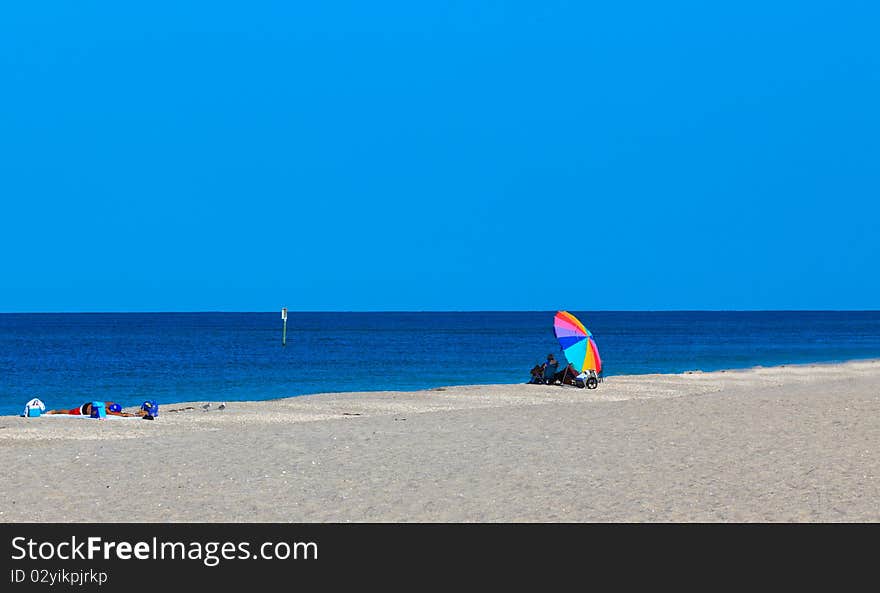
(150, 407)
(99, 410)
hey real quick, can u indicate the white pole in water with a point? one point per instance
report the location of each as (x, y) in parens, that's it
(284, 330)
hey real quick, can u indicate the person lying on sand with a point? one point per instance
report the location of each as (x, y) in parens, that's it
(113, 409)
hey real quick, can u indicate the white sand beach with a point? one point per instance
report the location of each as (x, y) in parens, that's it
(792, 443)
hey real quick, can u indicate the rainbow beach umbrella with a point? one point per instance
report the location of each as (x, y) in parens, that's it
(577, 342)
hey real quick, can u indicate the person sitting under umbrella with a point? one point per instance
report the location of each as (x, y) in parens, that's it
(550, 369)
(567, 375)
(546, 372)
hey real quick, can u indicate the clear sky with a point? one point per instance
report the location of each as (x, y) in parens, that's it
(467, 155)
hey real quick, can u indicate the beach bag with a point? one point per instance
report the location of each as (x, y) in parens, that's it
(98, 410)
(150, 407)
(34, 408)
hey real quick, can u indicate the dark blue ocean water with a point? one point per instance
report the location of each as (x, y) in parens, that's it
(66, 359)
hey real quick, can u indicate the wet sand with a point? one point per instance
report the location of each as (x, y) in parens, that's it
(794, 443)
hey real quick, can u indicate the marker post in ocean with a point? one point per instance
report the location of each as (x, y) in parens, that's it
(284, 327)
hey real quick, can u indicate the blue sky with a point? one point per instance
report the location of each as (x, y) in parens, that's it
(439, 156)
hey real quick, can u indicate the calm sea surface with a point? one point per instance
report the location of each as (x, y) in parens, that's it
(66, 359)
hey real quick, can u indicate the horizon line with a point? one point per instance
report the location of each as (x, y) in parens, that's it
(224, 311)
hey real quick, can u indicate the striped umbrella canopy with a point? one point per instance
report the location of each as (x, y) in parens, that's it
(577, 342)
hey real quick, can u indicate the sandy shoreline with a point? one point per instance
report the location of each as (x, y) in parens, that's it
(792, 443)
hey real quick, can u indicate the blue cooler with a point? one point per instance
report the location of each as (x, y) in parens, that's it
(34, 412)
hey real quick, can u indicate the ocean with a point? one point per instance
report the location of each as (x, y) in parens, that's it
(68, 358)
